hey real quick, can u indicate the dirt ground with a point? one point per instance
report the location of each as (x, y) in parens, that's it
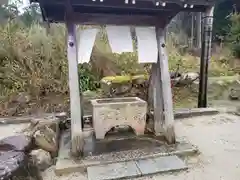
(218, 140)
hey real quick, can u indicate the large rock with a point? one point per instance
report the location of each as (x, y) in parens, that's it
(41, 159)
(15, 143)
(125, 86)
(10, 164)
(233, 95)
(22, 97)
(46, 139)
(45, 133)
(186, 79)
(16, 165)
(11, 111)
(234, 91)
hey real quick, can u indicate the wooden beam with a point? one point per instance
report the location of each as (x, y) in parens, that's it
(168, 123)
(111, 19)
(75, 101)
(103, 19)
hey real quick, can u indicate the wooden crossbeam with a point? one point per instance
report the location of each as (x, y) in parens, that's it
(54, 10)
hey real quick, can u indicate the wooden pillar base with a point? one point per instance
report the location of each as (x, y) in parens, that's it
(169, 134)
(77, 144)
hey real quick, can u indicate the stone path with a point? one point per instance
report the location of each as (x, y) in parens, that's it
(135, 168)
(123, 150)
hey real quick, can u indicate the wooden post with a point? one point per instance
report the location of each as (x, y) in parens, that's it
(164, 90)
(75, 104)
(205, 57)
(157, 98)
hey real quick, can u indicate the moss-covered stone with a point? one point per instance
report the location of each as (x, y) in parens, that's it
(124, 78)
(125, 85)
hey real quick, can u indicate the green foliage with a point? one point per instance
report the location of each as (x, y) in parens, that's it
(221, 22)
(86, 78)
(234, 35)
(31, 15)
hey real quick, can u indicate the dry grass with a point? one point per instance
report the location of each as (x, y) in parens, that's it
(35, 62)
(32, 61)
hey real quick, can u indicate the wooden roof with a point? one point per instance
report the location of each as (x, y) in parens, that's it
(119, 12)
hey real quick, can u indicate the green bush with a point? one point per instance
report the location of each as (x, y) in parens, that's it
(86, 78)
(234, 35)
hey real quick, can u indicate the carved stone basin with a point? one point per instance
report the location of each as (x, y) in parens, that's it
(112, 112)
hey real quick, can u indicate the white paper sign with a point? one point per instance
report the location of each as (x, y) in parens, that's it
(85, 44)
(147, 44)
(120, 39)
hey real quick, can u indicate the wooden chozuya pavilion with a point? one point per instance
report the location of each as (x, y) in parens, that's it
(157, 13)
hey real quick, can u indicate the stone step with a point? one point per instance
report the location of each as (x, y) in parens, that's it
(135, 168)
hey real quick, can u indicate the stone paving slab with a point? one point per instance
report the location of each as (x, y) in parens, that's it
(24, 119)
(66, 164)
(180, 113)
(186, 113)
(160, 164)
(113, 171)
(135, 168)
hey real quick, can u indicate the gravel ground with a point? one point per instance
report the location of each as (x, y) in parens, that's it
(11, 129)
(218, 139)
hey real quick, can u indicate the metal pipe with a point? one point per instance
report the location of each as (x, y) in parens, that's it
(205, 57)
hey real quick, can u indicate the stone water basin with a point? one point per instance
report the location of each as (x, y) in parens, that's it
(111, 112)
